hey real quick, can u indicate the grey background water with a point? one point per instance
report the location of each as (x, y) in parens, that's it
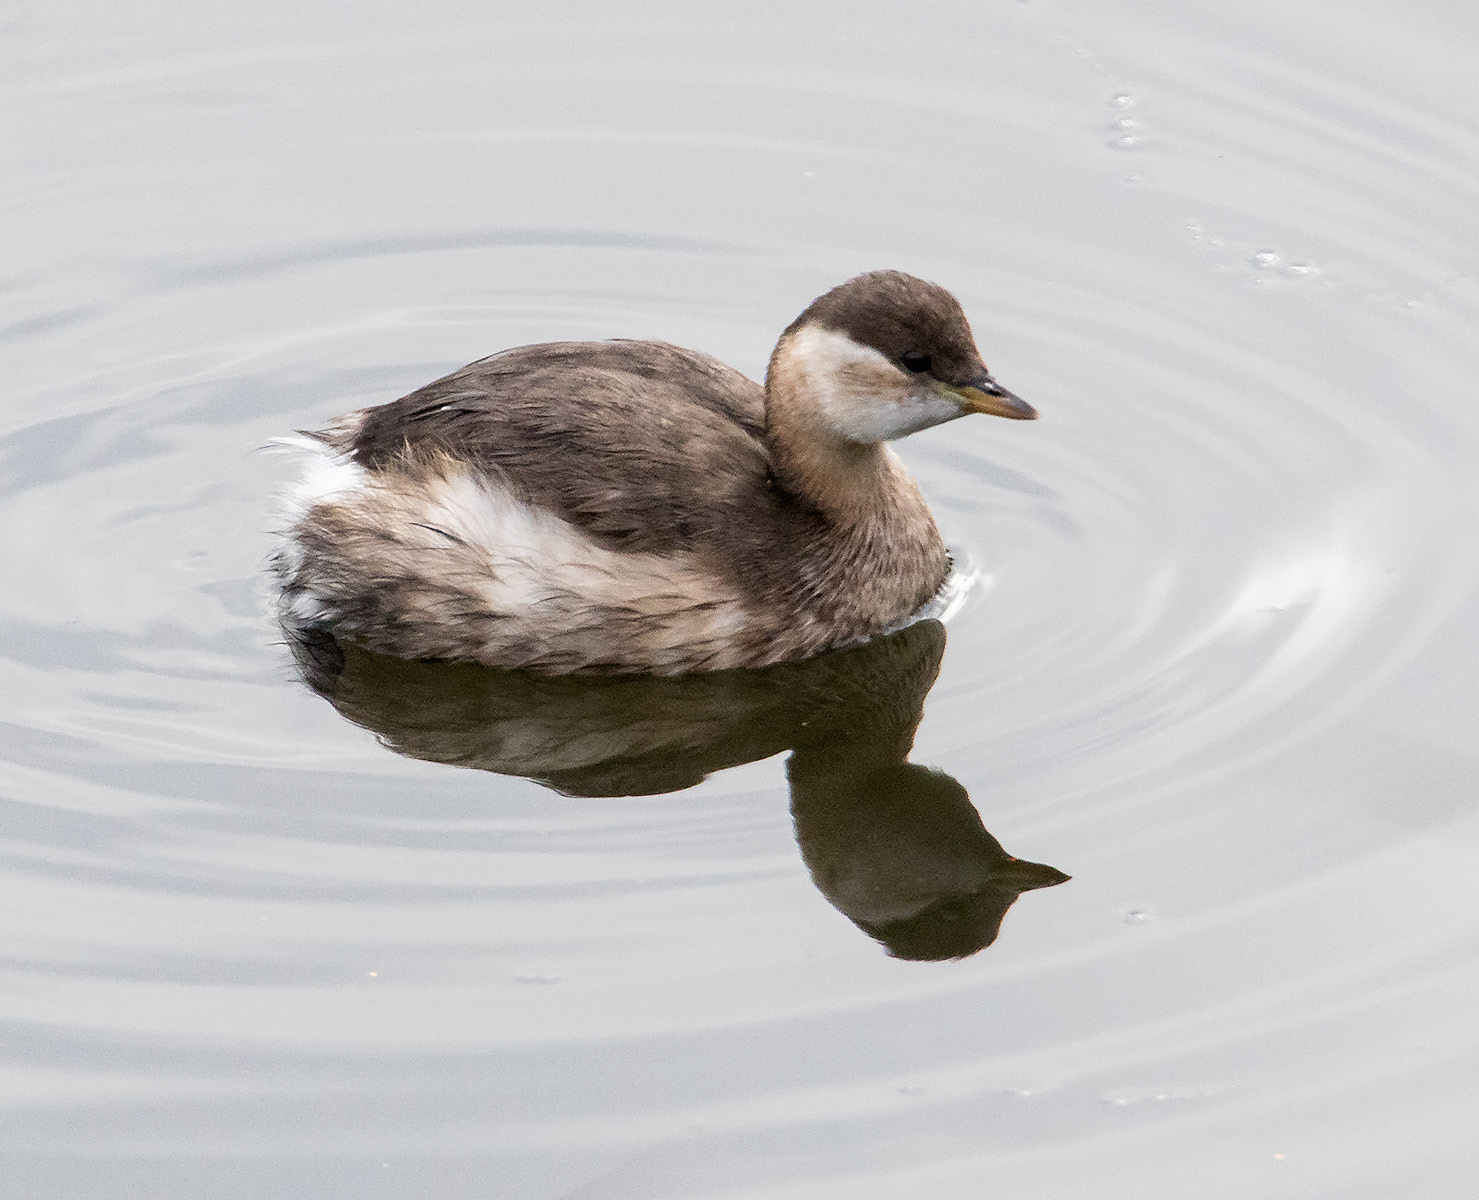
(1218, 663)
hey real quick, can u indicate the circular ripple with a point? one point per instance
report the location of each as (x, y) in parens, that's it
(1213, 667)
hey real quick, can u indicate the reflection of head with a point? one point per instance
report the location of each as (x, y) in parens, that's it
(900, 849)
(896, 847)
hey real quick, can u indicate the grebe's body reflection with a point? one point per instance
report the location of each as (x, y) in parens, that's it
(895, 846)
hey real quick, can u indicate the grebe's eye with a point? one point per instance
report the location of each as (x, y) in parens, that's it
(914, 361)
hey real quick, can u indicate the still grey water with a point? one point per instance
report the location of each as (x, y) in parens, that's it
(1214, 657)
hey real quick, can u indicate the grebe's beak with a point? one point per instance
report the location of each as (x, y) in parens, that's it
(984, 395)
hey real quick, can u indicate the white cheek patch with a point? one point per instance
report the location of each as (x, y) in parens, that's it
(920, 411)
(861, 396)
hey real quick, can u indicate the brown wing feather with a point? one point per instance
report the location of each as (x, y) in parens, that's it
(645, 445)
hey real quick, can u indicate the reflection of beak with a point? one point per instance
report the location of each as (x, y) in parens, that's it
(1018, 875)
(984, 395)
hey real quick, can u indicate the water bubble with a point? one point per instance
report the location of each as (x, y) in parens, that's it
(1265, 260)
(1298, 269)
(1128, 141)
(1122, 100)
(1137, 1096)
(1137, 916)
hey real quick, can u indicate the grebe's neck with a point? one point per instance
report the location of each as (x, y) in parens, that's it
(812, 391)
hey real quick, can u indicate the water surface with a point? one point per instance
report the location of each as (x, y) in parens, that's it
(1217, 663)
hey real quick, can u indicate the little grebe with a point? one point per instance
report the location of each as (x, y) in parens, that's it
(634, 506)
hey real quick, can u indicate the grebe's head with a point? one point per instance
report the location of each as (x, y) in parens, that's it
(881, 356)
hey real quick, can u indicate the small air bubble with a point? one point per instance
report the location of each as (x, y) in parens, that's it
(1122, 100)
(1265, 259)
(1126, 142)
(1298, 270)
(534, 978)
(1137, 916)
